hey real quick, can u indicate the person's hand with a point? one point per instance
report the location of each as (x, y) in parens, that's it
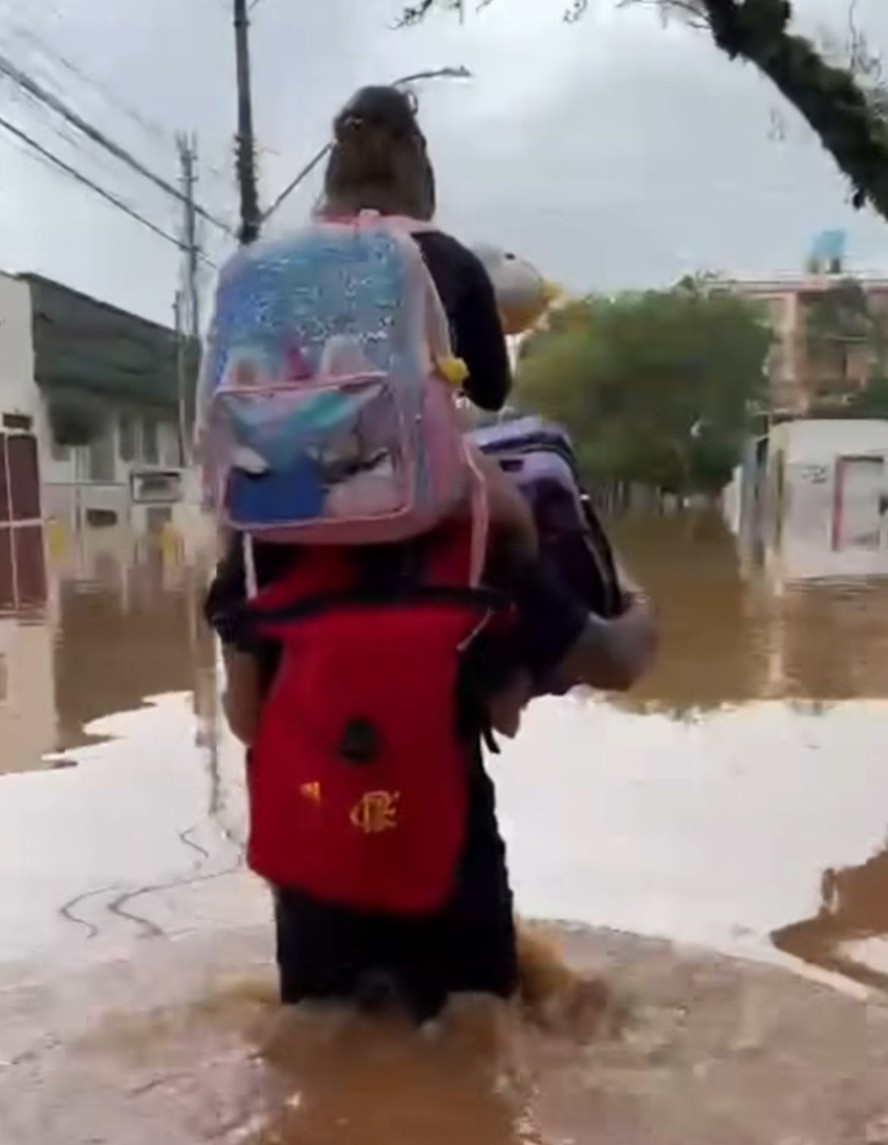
(612, 655)
(507, 706)
(635, 631)
(637, 624)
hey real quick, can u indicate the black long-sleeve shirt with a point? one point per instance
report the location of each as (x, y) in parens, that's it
(470, 304)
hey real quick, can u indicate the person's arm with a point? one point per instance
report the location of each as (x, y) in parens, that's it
(613, 655)
(556, 639)
(479, 337)
(244, 676)
(243, 695)
(631, 638)
(556, 636)
(472, 312)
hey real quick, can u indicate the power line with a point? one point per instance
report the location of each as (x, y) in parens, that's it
(297, 180)
(38, 92)
(105, 90)
(47, 155)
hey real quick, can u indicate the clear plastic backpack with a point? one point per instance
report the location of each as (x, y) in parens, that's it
(327, 403)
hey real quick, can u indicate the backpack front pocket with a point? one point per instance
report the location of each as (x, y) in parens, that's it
(314, 454)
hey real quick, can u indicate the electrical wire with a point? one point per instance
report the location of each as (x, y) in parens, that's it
(40, 93)
(49, 53)
(104, 90)
(55, 161)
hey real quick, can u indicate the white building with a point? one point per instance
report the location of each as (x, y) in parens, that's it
(826, 499)
(89, 431)
(22, 562)
(28, 718)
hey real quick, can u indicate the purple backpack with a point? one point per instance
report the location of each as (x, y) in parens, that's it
(540, 456)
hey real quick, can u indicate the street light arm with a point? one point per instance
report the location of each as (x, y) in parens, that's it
(459, 72)
(297, 181)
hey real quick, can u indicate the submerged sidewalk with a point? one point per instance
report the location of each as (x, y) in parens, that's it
(180, 1040)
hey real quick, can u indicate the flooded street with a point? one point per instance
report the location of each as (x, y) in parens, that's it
(736, 804)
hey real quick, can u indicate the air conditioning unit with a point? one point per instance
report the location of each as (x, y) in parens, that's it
(156, 486)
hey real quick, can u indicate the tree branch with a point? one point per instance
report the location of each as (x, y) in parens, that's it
(688, 10)
(416, 13)
(830, 98)
(844, 105)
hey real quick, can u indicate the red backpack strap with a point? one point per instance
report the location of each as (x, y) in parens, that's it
(459, 556)
(316, 571)
(442, 567)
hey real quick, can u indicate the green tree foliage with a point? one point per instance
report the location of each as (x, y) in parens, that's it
(871, 402)
(841, 103)
(657, 388)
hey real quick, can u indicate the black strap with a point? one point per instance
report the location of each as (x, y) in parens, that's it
(488, 739)
(482, 599)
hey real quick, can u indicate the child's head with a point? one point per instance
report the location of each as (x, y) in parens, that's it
(379, 159)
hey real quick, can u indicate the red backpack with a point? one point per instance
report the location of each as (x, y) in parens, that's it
(358, 778)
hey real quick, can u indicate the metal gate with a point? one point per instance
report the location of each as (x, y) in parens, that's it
(22, 558)
(858, 491)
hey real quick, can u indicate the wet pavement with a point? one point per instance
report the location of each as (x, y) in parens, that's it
(737, 803)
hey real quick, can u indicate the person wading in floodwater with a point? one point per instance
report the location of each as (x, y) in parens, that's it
(381, 668)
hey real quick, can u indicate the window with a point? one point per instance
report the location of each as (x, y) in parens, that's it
(170, 446)
(126, 428)
(150, 447)
(18, 421)
(101, 518)
(156, 487)
(100, 460)
(60, 452)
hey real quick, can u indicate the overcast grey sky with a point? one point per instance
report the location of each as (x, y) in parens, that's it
(613, 153)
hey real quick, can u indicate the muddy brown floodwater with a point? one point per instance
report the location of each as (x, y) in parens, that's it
(717, 842)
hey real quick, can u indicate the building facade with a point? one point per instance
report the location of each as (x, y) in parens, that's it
(815, 504)
(90, 429)
(22, 554)
(825, 345)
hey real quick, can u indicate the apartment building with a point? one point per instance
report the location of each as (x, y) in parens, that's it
(827, 335)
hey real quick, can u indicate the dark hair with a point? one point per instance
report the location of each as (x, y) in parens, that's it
(379, 160)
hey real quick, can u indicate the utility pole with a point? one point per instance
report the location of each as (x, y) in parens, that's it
(181, 377)
(191, 245)
(250, 215)
(187, 306)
